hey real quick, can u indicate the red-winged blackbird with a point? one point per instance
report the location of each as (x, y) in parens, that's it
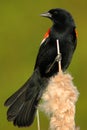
(23, 103)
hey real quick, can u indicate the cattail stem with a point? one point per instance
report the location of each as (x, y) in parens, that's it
(58, 52)
(38, 120)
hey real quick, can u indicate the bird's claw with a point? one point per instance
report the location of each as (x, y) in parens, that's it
(58, 57)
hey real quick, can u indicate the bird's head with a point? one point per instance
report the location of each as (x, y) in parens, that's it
(60, 17)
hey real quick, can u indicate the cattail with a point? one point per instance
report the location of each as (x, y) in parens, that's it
(59, 101)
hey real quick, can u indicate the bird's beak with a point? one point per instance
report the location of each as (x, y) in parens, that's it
(47, 14)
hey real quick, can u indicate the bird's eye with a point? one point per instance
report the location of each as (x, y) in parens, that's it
(55, 12)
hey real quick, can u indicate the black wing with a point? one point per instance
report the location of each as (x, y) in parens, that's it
(46, 56)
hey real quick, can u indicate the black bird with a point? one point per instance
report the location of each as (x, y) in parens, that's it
(23, 103)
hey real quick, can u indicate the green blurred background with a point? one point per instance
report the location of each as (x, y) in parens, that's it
(21, 31)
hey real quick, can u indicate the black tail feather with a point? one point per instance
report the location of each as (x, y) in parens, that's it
(14, 97)
(26, 115)
(14, 108)
(23, 103)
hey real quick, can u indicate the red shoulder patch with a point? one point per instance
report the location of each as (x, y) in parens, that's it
(76, 33)
(47, 34)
